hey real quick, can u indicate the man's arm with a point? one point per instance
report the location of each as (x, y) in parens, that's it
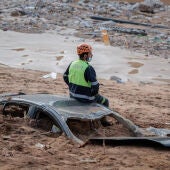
(65, 76)
(90, 75)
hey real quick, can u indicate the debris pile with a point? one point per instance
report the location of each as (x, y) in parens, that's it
(150, 36)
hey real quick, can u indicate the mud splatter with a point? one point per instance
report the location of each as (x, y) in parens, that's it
(134, 71)
(25, 55)
(58, 58)
(19, 49)
(135, 64)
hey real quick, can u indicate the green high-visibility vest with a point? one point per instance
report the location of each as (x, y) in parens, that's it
(76, 73)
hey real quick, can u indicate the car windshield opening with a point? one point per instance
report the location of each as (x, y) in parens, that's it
(84, 128)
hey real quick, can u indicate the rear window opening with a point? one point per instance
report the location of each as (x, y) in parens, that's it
(15, 110)
(44, 122)
(84, 129)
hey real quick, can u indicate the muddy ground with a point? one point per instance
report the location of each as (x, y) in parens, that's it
(23, 147)
(146, 104)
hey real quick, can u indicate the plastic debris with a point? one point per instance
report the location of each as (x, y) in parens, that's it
(51, 75)
(39, 145)
(55, 129)
(159, 131)
(118, 79)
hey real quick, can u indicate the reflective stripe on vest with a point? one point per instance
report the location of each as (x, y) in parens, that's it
(82, 96)
(76, 73)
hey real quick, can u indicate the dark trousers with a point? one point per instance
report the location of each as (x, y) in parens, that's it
(98, 99)
(102, 100)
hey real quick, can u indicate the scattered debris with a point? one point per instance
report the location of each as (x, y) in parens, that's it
(39, 145)
(6, 137)
(88, 160)
(51, 75)
(17, 13)
(159, 131)
(149, 6)
(128, 22)
(40, 16)
(118, 79)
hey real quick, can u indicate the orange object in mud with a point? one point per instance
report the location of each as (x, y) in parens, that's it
(105, 37)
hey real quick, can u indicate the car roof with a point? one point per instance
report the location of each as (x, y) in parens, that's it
(65, 106)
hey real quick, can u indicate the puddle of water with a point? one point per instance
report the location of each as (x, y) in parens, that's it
(135, 64)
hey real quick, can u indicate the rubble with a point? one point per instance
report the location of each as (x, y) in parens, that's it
(43, 15)
(146, 8)
(151, 6)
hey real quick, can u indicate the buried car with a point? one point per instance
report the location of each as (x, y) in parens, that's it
(81, 122)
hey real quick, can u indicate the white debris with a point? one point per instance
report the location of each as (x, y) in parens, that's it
(51, 75)
(39, 145)
(55, 129)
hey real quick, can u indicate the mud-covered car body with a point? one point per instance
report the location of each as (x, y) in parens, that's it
(61, 108)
